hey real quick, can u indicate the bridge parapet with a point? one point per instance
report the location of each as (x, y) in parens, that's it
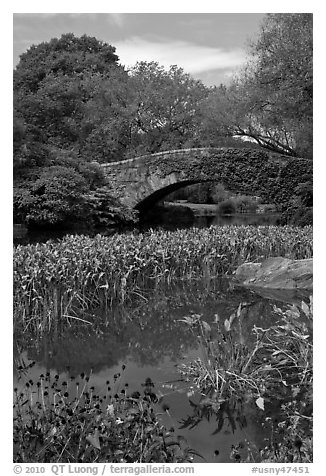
(147, 158)
(142, 180)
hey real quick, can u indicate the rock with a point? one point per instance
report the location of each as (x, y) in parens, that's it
(277, 273)
(247, 271)
(287, 296)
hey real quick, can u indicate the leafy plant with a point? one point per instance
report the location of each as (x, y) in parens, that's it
(67, 421)
(276, 367)
(56, 197)
(55, 281)
(280, 356)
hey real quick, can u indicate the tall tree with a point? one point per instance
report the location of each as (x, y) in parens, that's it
(166, 106)
(270, 100)
(68, 55)
(52, 83)
(106, 130)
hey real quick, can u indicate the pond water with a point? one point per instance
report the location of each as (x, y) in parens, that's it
(149, 341)
(149, 338)
(167, 220)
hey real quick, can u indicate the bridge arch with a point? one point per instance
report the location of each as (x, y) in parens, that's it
(159, 194)
(140, 182)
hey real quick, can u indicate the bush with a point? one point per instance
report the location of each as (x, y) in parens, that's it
(246, 204)
(66, 193)
(297, 216)
(219, 194)
(55, 198)
(108, 211)
(302, 217)
(300, 211)
(227, 207)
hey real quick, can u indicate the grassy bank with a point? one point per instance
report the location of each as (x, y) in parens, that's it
(54, 281)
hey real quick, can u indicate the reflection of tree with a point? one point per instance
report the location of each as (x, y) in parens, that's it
(158, 333)
(148, 332)
(81, 352)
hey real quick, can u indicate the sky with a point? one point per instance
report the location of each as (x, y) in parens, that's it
(209, 46)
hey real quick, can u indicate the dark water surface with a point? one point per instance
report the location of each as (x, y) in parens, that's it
(149, 338)
(166, 220)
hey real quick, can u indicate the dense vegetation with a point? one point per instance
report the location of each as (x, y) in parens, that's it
(54, 281)
(75, 104)
(60, 421)
(241, 368)
(270, 100)
(274, 368)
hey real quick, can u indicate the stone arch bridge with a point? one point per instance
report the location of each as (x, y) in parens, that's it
(140, 182)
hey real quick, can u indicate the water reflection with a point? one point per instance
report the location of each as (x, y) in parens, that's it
(201, 216)
(167, 220)
(146, 333)
(243, 219)
(150, 340)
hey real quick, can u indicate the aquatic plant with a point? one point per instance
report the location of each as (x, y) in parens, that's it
(275, 367)
(68, 421)
(55, 281)
(280, 356)
(291, 438)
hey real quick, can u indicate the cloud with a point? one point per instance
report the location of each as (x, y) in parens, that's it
(191, 57)
(28, 42)
(118, 19)
(41, 16)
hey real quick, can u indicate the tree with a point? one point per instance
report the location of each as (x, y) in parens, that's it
(166, 105)
(108, 115)
(52, 83)
(68, 55)
(270, 100)
(19, 134)
(71, 107)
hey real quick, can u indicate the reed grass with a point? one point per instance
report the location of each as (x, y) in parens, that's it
(55, 281)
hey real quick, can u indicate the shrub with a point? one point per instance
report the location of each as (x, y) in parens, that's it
(297, 215)
(245, 203)
(56, 197)
(107, 211)
(67, 194)
(227, 207)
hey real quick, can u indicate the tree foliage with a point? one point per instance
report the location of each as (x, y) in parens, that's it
(54, 198)
(107, 125)
(166, 106)
(52, 83)
(68, 55)
(74, 104)
(270, 100)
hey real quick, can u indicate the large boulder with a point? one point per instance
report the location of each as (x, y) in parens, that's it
(277, 273)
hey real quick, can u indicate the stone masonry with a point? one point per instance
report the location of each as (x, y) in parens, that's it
(142, 181)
